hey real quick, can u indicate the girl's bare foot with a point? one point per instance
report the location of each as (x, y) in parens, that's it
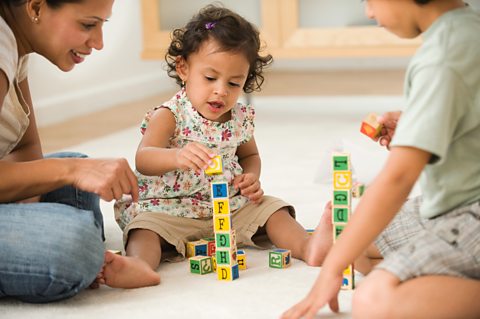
(321, 240)
(126, 272)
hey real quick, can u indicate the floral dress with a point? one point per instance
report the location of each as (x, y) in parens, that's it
(186, 193)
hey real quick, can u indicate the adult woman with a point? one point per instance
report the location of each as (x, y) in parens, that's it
(50, 223)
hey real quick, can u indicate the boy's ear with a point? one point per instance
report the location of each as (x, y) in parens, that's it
(181, 67)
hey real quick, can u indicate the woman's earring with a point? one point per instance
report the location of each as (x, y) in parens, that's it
(183, 84)
(35, 19)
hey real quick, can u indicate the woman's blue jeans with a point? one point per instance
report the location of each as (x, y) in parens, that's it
(53, 249)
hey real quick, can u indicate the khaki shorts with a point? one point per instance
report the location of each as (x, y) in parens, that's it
(448, 245)
(177, 231)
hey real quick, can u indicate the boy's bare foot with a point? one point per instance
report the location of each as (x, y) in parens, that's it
(126, 272)
(321, 240)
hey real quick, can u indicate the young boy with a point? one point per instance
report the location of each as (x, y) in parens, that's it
(431, 248)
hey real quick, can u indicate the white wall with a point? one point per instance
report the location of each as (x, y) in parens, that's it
(113, 75)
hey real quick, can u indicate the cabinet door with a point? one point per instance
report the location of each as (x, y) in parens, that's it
(160, 17)
(312, 28)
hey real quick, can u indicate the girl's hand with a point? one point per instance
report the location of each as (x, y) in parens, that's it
(194, 156)
(249, 186)
(325, 290)
(389, 122)
(108, 178)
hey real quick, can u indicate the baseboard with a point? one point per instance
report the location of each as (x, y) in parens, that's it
(93, 99)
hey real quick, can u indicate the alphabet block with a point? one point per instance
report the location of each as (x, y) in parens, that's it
(225, 239)
(338, 228)
(222, 223)
(221, 207)
(210, 245)
(216, 167)
(341, 161)
(370, 126)
(226, 256)
(341, 197)
(227, 273)
(200, 265)
(242, 260)
(197, 248)
(340, 214)
(358, 189)
(279, 258)
(342, 180)
(348, 282)
(219, 190)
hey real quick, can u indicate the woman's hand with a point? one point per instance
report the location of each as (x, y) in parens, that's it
(194, 156)
(108, 178)
(249, 186)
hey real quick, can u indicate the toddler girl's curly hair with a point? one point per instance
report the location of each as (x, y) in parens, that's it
(231, 31)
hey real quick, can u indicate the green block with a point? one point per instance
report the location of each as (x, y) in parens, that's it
(341, 163)
(340, 214)
(341, 198)
(338, 230)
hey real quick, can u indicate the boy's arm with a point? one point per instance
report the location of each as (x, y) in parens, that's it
(249, 158)
(379, 205)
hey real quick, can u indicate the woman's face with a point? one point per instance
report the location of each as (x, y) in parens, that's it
(67, 35)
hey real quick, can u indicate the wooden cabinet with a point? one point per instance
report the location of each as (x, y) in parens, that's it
(283, 28)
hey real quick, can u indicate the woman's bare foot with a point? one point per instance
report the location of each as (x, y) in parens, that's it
(126, 272)
(321, 240)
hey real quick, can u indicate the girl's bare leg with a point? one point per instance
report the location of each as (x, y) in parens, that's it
(137, 269)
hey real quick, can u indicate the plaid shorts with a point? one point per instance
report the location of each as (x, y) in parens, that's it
(449, 244)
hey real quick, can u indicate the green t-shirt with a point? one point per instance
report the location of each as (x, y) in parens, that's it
(442, 115)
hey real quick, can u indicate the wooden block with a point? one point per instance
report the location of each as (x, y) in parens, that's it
(341, 197)
(221, 206)
(370, 126)
(226, 256)
(340, 214)
(342, 180)
(225, 239)
(219, 190)
(214, 263)
(337, 230)
(197, 248)
(200, 265)
(241, 260)
(216, 167)
(227, 273)
(222, 223)
(279, 258)
(348, 282)
(358, 189)
(210, 245)
(310, 231)
(341, 161)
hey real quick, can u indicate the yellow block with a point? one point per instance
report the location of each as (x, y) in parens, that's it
(342, 180)
(215, 167)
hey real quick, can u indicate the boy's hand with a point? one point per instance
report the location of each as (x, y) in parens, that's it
(389, 122)
(325, 290)
(249, 186)
(194, 156)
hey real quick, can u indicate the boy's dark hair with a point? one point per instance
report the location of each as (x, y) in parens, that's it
(230, 30)
(51, 3)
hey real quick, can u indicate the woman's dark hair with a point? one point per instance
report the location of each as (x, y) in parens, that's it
(423, 1)
(230, 30)
(51, 3)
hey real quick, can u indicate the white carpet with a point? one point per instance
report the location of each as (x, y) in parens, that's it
(295, 143)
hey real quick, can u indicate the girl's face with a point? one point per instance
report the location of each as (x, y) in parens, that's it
(397, 16)
(66, 35)
(214, 79)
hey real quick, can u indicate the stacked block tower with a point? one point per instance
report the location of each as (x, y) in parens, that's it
(342, 205)
(225, 243)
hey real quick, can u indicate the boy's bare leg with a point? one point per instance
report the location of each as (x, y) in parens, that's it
(285, 232)
(382, 295)
(368, 260)
(137, 269)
